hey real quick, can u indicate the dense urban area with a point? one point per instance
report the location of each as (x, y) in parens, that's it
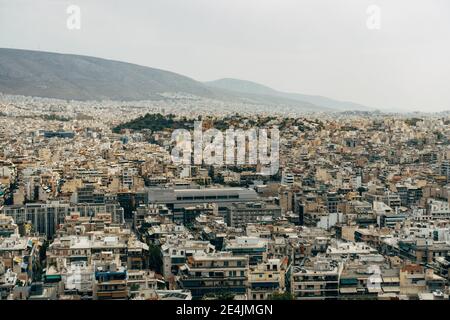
(92, 207)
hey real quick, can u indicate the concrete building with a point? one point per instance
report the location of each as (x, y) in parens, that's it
(317, 279)
(266, 278)
(215, 274)
(241, 214)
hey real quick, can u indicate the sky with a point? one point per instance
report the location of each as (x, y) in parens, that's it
(396, 57)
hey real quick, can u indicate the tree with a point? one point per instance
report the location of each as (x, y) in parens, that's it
(282, 296)
(155, 260)
(222, 295)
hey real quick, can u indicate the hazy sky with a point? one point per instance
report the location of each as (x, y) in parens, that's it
(321, 47)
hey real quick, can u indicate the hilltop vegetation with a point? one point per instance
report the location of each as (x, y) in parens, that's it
(153, 122)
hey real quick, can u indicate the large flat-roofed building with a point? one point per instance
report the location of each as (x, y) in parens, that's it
(178, 199)
(46, 217)
(181, 197)
(59, 134)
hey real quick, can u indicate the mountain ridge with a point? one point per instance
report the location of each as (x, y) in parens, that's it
(254, 87)
(80, 77)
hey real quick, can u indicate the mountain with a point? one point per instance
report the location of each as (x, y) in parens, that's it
(242, 86)
(67, 76)
(76, 77)
(249, 87)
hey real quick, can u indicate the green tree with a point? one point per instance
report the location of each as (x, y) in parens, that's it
(155, 259)
(282, 296)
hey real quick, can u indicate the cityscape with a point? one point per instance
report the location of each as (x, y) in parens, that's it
(154, 186)
(358, 209)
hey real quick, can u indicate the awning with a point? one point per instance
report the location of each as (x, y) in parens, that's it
(348, 290)
(391, 289)
(391, 279)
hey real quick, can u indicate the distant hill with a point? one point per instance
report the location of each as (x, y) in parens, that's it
(248, 87)
(75, 77)
(67, 76)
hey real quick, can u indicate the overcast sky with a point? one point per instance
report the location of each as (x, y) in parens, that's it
(321, 47)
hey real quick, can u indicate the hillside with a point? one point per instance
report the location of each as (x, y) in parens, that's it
(75, 77)
(67, 76)
(252, 88)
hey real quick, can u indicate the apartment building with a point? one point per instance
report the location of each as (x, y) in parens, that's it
(110, 277)
(253, 247)
(267, 278)
(316, 279)
(241, 214)
(46, 217)
(214, 274)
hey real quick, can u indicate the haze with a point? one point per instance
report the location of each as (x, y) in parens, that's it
(321, 47)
